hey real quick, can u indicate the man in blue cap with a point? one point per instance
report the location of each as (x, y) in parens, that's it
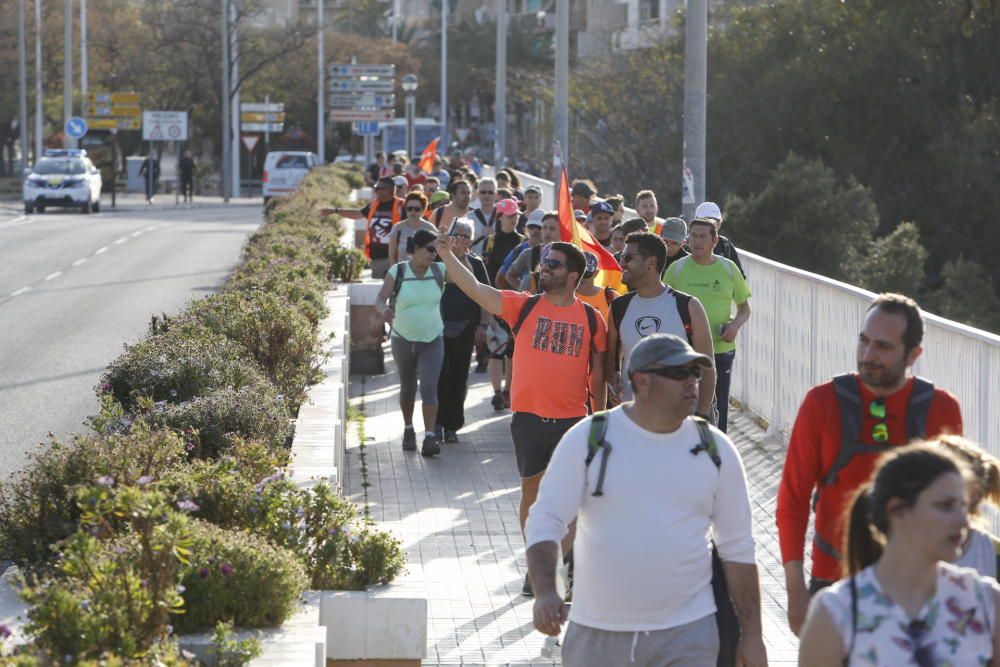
(599, 222)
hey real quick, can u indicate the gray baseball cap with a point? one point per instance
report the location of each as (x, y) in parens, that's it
(674, 229)
(665, 350)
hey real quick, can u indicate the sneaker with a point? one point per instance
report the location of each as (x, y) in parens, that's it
(526, 589)
(450, 437)
(431, 446)
(506, 398)
(498, 402)
(409, 440)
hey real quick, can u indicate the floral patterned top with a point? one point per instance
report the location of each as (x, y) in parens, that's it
(953, 629)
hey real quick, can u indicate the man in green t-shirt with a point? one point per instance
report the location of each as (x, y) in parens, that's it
(718, 284)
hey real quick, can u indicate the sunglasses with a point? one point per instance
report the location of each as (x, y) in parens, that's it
(487, 192)
(626, 258)
(552, 264)
(876, 409)
(679, 373)
(414, 209)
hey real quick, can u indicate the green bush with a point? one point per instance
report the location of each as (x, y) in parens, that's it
(346, 264)
(116, 584)
(273, 331)
(39, 508)
(179, 365)
(212, 423)
(305, 292)
(237, 576)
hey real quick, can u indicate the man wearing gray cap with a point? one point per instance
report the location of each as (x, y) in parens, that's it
(674, 233)
(660, 481)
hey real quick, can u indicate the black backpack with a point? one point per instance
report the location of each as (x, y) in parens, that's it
(726, 620)
(620, 306)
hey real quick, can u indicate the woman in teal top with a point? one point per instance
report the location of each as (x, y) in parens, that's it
(413, 290)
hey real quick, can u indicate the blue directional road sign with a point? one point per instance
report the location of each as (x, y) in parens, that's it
(366, 128)
(76, 127)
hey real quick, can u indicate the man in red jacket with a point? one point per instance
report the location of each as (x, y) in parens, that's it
(841, 429)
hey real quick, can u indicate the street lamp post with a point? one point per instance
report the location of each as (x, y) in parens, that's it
(39, 119)
(409, 84)
(22, 86)
(695, 94)
(500, 112)
(561, 159)
(444, 76)
(68, 73)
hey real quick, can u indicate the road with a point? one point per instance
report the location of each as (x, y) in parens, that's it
(75, 288)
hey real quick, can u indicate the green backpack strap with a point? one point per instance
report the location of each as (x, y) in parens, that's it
(595, 443)
(707, 444)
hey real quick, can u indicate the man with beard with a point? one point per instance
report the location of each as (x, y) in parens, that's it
(461, 195)
(557, 339)
(841, 429)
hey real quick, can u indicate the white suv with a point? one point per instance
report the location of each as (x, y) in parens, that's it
(284, 170)
(63, 178)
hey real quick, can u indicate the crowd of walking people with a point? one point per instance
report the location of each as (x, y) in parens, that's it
(619, 400)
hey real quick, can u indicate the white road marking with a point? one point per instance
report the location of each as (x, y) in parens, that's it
(20, 291)
(120, 241)
(150, 228)
(138, 233)
(17, 222)
(79, 261)
(101, 250)
(53, 276)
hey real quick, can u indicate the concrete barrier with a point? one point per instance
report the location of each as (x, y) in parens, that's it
(374, 628)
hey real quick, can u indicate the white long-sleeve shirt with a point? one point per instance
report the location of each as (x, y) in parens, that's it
(642, 556)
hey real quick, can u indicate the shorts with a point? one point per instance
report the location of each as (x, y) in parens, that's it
(694, 644)
(380, 267)
(535, 438)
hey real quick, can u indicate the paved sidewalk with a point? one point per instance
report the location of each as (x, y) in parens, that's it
(457, 517)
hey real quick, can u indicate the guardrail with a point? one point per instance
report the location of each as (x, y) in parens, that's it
(804, 329)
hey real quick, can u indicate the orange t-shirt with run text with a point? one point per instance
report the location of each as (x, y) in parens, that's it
(551, 356)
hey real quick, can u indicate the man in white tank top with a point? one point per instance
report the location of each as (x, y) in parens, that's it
(651, 308)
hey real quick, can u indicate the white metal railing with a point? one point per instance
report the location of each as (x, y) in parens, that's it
(804, 330)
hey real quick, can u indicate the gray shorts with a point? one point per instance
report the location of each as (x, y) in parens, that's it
(379, 268)
(694, 644)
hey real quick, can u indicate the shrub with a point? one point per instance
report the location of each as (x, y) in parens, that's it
(112, 596)
(179, 365)
(272, 330)
(39, 507)
(305, 292)
(237, 576)
(346, 264)
(211, 424)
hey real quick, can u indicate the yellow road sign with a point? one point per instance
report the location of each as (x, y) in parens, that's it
(105, 123)
(262, 117)
(114, 110)
(114, 98)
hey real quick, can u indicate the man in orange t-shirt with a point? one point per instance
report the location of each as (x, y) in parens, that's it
(889, 407)
(559, 348)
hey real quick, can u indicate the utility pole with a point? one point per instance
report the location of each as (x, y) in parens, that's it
(500, 109)
(22, 86)
(562, 85)
(226, 137)
(444, 143)
(695, 87)
(395, 20)
(321, 71)
(68, 73)
(234, 110)
(84, 81)
(39, 119)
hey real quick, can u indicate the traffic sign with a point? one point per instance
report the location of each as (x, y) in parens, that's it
(363, 85)
(351, 115)
(114, 98)
(75, 127)
(114, 110)
(262, 127)
(262, 117)
(343, 69)
(259, 106)
(367, 128)
(106, 123)
(164, 126)
(362, 100)
(249, 140)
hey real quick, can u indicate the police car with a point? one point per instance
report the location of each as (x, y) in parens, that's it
(65, 178)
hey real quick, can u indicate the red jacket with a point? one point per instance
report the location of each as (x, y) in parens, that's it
(812, 450)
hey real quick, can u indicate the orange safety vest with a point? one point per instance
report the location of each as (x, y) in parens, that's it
(373, 206)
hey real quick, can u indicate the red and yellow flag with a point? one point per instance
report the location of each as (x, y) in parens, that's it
(609, 274)
(427, 157)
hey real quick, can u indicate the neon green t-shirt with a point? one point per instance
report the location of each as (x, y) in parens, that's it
(719, 286)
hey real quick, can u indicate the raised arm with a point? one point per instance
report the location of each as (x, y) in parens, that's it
(489, 299)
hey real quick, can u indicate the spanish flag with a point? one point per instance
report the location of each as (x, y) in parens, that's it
(609, 274)
(427, 157)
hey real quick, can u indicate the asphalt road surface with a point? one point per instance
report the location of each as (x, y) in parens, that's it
(75, 288)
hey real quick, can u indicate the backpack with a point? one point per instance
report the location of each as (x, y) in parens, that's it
(726, 620)
(849, 402)
(620, 306)
(400, 277)
(485, 223)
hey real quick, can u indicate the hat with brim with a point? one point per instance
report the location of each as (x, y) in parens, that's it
(663, 350)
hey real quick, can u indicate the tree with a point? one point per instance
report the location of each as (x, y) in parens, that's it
(893, 263)
(967, 295)
(805, 217)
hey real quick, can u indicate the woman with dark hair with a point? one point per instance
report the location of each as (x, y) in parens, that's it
(903, 602)
(415, 206)
(413, 291)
